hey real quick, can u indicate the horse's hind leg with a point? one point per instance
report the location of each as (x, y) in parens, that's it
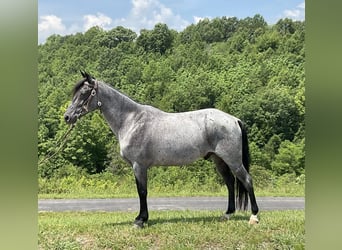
(239, 171)
(229, 180)
(244, 177)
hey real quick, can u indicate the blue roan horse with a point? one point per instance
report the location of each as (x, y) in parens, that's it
(149, 136)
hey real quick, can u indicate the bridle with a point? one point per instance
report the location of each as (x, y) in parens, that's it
(94, 92)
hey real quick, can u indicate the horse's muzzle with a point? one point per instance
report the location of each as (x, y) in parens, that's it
(70, 119)
(66, 118)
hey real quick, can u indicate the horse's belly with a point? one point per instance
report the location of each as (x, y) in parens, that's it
(171, 154)
(174, 160)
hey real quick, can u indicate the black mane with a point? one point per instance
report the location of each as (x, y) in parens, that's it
(87, 77)
(78, 86)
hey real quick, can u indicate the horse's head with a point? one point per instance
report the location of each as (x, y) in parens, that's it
(82, 101)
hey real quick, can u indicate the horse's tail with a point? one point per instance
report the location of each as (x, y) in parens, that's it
(241, 191)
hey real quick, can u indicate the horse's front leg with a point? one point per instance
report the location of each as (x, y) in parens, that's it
(140, 173)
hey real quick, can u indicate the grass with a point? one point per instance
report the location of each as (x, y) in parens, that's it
(170, 230)
(130, 192)
(169, 183)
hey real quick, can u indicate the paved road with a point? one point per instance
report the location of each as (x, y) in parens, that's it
(173, 203)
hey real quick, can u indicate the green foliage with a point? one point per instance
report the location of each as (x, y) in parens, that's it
(157, 40)
(115, 36)
(198, 179)
(71, 181)
(290, 158)
(244, 67)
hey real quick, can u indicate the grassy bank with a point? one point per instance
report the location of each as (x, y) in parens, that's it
(171, 230)
(163, 182)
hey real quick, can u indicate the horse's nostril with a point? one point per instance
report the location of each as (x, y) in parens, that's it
(66, 118)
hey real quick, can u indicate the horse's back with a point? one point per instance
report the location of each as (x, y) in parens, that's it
(181, 138)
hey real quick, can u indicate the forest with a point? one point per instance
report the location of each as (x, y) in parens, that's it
(245, 67)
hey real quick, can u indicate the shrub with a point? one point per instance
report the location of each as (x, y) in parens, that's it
(290, 159)
(262, 178)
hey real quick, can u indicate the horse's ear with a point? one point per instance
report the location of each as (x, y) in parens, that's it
(90, 79)
(86, 75)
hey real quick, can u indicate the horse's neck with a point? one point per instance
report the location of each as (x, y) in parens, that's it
(116, 107)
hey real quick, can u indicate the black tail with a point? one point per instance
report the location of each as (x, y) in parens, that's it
(241, 191)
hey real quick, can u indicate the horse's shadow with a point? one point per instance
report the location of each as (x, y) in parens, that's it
(180, 219)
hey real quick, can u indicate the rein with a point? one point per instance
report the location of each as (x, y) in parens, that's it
(63, 140)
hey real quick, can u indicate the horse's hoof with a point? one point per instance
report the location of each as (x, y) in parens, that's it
(135, 226)
(138, 224)
(253, 220)
(226, 217)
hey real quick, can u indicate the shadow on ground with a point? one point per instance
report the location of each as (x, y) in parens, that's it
(181, 219)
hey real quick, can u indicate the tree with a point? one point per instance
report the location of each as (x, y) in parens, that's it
(117, 35)
(285, 26)
(290, 158)
(252, 27)
(157, 40)
(88, 144)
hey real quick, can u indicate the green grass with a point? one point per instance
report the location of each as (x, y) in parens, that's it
(170, 183)
(129, 191)
(170, 230)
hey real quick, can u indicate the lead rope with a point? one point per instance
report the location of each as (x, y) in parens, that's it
(63, 139)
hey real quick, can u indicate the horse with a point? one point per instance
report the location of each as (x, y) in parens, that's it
(151, 137)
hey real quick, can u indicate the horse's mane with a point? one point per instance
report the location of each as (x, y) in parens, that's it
(78, 86)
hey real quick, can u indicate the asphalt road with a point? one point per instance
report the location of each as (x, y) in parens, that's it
(172, 203)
